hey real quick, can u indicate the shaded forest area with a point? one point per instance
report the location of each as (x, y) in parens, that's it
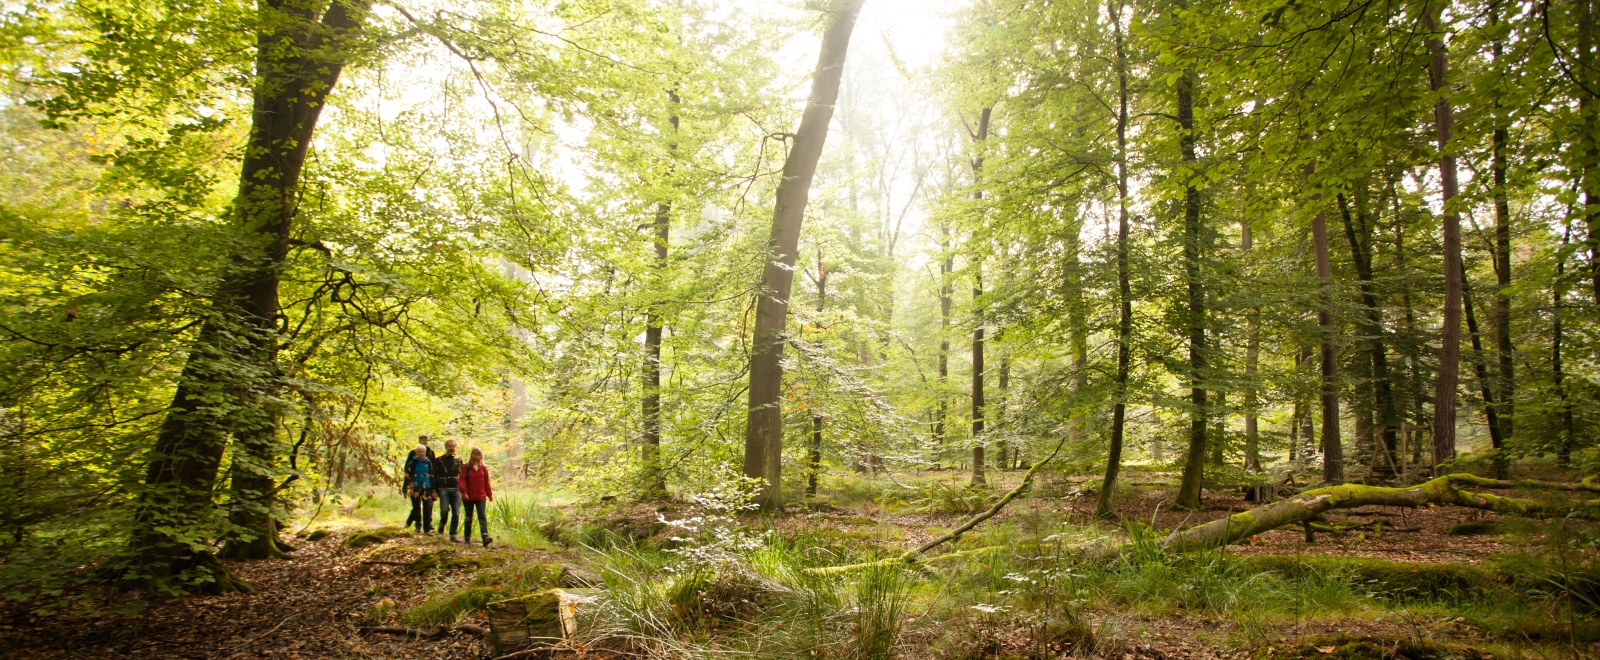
(846, 329)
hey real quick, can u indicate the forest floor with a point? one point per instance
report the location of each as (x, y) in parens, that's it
(315, 602)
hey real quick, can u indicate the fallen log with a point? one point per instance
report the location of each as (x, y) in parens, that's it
(1306, 507)
(436, 633)
(1303, 509)
(910, 556)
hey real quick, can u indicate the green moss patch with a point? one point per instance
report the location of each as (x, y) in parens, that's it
(375, 536)
(450, 560)
(317, 535)
(1386, 578)
(1474, 528)
(1346, 647)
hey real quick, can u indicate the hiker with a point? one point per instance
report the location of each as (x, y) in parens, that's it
(422, 440)
(475, 491)
(448, 469)
(419, 486)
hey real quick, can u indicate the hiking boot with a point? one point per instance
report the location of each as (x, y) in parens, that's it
(487, 541)
(453, 539)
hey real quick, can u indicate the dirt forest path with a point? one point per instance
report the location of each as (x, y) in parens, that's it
(308, 605)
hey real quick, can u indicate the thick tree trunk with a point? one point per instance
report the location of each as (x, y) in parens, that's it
(1587, 71)
(977, 313)
(1195, 321)
(1332, 444)
(1119, 384)
(1388, 416)
(763, 440)
(1444, 404)
(298, 61)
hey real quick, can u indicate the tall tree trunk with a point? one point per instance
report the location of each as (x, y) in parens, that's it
(1444, 404)
(1007, 458)
(1506, 386)
(1358, 233)
(1558, 291)
(654, 479)
(1252, 353)
(1588, 138)
(946, 298)
(1195, 321)
(1413, 368)
(1327, 332)
(234, 360)
(763, 439)
(1307, 428)
(1219, 426)
(1481, 369)
(814, 455)
(977, 314)
(1119, 385)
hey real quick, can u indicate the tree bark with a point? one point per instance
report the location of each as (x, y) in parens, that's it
(1332, 445)
(1588, 138)
(763, 440)
(1119, 385)
(654, 479)
(1557, 294)
(1444, 405)
(1388, 422)
(1195, 321)
(978, 317)
(814, 455)
(1505, 387)
(946, 296)
(1252, 352)
(1480, 367)
(234, 360)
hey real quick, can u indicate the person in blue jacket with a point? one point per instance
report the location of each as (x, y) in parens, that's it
(420, 487)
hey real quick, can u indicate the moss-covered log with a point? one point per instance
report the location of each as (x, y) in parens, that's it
(1447, 490)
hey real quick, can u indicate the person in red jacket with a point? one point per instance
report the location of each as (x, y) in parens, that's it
(475, 493)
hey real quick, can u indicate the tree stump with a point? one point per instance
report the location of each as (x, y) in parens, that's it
(537, 620)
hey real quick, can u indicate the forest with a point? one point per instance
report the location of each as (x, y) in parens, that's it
(800, 330)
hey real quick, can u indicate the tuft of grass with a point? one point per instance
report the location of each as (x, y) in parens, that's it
(446, 609)
(526, 520)
(879, 608)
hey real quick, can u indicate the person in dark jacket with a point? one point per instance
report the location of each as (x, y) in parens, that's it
(448, 469)
(476, 492)
(419, 486)
(410, 458)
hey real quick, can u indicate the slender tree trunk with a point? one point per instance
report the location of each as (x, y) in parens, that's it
(1252, 353)
(234, 361)
(1506, 386)
(763, 441)
(946, 298)
(1558, 291)
(1481, 369)
(1294, 431)
(1007, 455)
(1195, 323)
(1307, 427)
(1219, 427)
(1119, 385)
(1358, 233)
(977, 311)
(1414, 369)
(814, 455)
(654, 479)
(1444, 405)
(1332, 445)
